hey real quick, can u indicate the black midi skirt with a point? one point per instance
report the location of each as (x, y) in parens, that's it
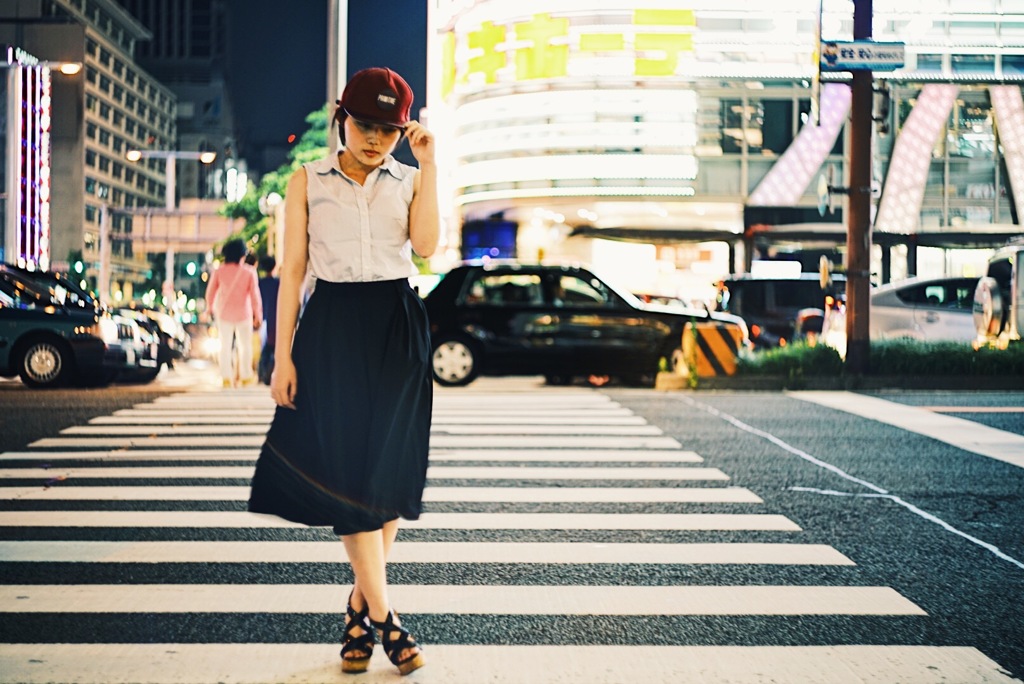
(352, 455)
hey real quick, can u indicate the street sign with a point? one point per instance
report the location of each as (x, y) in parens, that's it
(861, 55)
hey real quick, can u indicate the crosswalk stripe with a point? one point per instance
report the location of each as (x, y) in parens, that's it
(431, 494)
(479, 436)
(471, 664)
(420, 552)
(434, 472)
(436, 441)
(434, 521)
(436, 455)
(261, 429)
(202, 418)
(460, 599)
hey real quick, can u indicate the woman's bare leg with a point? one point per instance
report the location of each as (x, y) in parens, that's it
(367, 553)
(389, 532)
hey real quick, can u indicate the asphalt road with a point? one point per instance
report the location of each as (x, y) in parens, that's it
(953, 542)
(940, 525)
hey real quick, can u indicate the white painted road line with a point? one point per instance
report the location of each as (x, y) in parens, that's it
(436, 441)
(431, 494)
(261, 428)
(963, 434)
(205, 418)
(459, 599)
(439, 454)
(459, 664)
(429, 521)
(421, 552)
(433, 472)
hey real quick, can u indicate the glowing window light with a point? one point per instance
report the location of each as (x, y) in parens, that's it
(899, 210)
(608, 136)
(789, 177)
(594, 191)
(1009, 108)
(553, 103)
(578, 166)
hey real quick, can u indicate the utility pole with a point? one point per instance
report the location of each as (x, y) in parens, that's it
(858, 227)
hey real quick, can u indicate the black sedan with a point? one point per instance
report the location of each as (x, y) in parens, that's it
(49, 339)
(507, 318)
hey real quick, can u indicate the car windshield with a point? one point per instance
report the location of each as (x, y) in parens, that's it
(27, 294)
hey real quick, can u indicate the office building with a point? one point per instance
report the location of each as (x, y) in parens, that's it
(112, 106)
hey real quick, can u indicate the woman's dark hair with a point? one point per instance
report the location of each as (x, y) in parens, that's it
(233, 251)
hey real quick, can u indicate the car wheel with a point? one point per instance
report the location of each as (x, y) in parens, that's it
(44, 363)
(455, 362)
(988, 308)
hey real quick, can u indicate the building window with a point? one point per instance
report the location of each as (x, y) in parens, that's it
(104, 165)
(973, 64)
(90, 130)
(104, 137)
(104, 57)
(90, 158)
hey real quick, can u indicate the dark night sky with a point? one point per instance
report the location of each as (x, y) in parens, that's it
(277, 64)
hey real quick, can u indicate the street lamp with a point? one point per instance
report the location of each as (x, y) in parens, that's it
(170, 156)
(204, 157)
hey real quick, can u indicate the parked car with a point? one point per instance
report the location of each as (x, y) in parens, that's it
(508, 318)
(777, 310)
(926, 309)
(999, 298)
(175, 342)
(145, 346)
(49, 340)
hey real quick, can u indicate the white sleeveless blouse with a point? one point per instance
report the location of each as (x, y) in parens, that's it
(359, 233)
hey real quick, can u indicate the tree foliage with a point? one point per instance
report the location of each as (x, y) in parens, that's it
(311, 146)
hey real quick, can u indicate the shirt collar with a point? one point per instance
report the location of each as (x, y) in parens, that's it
(330, 163)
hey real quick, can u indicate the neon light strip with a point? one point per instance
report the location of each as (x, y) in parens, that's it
(1009, 107)
(787, 180)
(597, 191)
(899, 210)
(577, 167)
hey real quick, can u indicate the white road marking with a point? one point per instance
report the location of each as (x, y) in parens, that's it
(468, 664)
(429, 521)
(459, 599)
(421, 552)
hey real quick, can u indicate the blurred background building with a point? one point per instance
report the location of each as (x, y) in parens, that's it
(119, 103)
(685, 132)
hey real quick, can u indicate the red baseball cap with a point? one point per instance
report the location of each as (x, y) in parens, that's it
(378, 96)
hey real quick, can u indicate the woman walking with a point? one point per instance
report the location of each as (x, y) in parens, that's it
(349, 441)
(234, 298)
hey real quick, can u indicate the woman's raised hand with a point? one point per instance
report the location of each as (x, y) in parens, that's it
(421, 142)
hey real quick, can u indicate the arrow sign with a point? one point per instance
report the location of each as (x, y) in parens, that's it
(861, 55)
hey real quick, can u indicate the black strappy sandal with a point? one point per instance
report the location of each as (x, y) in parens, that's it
(357, 649)
(395, 639)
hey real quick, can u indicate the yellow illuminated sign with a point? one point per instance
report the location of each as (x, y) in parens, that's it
(542, 59)
(543, 47)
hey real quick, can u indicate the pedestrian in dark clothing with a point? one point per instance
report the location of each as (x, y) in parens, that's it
(269, 285)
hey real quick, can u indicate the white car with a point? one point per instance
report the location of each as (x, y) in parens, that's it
(926, 309)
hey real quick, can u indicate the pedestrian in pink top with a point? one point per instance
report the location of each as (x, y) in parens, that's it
(233, 296)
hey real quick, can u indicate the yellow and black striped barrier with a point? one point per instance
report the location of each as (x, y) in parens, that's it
(710, 348)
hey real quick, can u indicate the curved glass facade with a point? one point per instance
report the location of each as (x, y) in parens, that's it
(668, 118)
